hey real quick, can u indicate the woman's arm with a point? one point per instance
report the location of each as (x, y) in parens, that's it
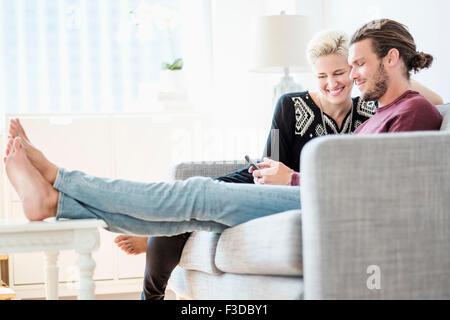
(432, 96)
(272, 172)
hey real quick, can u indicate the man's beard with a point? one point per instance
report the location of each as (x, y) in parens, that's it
(381, 79)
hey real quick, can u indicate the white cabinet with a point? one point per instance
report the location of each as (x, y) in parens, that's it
(136, 147)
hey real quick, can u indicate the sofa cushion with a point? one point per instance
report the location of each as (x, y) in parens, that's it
(198, 285)
(270, 245)
(199, 251)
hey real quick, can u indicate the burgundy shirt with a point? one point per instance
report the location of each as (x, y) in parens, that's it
(409, 112)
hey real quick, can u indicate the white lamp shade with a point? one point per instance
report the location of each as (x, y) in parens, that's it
(280, 42)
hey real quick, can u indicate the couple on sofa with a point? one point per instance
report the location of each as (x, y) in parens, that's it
(379, 60)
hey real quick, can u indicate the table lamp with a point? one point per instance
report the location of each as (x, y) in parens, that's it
(280, 44)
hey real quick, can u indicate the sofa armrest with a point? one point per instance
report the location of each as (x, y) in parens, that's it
(184, 170)
(376, 216)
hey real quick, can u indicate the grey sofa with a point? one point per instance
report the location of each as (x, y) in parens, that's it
(374, 224)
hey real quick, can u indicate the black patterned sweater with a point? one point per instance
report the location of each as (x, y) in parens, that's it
(297, 120)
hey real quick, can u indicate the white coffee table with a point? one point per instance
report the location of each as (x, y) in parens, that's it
(51, 236)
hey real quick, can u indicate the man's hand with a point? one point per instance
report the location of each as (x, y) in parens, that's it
(272, 172)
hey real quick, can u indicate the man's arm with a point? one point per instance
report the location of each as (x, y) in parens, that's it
(295, 179)
(429, 94)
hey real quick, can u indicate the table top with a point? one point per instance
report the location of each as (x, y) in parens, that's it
(51, 224)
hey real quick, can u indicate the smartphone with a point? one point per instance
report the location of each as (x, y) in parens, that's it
(247, 158)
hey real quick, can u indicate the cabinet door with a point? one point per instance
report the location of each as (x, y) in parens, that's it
(130, 266)
(147, 146)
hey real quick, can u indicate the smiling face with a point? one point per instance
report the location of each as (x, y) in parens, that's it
(368, 70)
(333, 75)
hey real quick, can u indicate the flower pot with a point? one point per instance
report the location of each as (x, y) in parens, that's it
(172, 81)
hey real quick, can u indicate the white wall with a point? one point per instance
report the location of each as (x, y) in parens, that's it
(232, 49)
(237, 91)
(427, 21)
(241, 101)
(240, 98)
(240, 92)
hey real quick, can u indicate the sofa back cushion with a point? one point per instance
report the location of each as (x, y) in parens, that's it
(394, 216)
(444, 110)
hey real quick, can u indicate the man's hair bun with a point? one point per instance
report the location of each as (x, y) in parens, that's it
(420, 61)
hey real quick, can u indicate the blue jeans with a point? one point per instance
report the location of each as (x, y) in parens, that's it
(168, 208)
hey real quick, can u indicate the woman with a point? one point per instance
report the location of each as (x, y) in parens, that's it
(300, 117)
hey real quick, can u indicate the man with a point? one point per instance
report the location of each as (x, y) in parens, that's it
(382, 56)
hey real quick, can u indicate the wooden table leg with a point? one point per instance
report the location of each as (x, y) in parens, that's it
(51, 275)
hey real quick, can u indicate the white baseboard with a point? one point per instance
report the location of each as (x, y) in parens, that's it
(107, 287)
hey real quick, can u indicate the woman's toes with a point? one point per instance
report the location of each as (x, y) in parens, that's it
(8, 147)
(119, 238)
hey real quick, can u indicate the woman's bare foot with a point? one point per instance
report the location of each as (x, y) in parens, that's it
(9, 146)
(39, 198)
(132, 244)
(47, 169)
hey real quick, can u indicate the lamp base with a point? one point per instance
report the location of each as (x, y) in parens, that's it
(286, 85)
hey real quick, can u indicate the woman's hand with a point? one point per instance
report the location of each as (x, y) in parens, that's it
(272, 172)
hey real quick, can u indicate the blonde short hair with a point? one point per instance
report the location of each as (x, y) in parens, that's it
(327, 42)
